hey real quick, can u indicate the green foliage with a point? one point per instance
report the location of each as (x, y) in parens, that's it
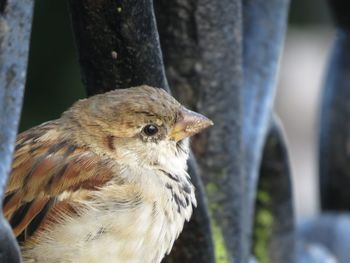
(263, 223)
(221, 254)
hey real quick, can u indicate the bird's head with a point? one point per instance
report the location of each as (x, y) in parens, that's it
(141, 121)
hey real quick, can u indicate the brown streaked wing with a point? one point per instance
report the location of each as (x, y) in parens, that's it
(46, 165)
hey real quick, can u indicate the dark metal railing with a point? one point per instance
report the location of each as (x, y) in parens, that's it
(334, 141)
(15, 28)
(219, 58)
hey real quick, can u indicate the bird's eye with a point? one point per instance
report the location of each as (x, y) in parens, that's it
(150, 129)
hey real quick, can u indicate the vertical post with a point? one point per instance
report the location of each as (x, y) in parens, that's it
(15, 27)
(334, 140)
(264, 29)
(201, 40)
(118, 44)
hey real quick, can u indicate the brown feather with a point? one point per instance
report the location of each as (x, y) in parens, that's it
(45, 166)
(14, 203)
(33, 211)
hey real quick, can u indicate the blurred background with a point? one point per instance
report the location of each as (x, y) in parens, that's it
(302, 72)
(54, 83)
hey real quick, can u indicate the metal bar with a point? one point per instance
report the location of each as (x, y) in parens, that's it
(334, 146)
(264, 29)
(201, 40)
(177, 30)
(118, 44)
(15, 28)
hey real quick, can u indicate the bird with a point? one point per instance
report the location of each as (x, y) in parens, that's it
(106, 182)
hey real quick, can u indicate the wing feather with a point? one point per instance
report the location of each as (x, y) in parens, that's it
(47, 166)
(34, 209)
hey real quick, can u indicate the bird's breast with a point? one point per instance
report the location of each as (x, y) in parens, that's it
(107, 231)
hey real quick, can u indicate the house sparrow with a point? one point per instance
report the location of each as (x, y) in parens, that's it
(106, 182)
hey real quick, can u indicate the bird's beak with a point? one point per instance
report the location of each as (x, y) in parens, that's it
(189, 124)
